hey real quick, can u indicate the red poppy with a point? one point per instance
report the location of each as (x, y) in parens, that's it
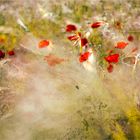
(11, 53)
(130, 38)
(110, 68)
(43, 43)
(121, 45)
(96, 24)
(84, 41)
(73, 37)
(83, 57)
(2, 54)
(70, 28)
(114, 58)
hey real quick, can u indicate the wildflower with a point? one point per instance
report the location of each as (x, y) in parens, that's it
(70, 28)
(130, 38)
(2, 54)
(74, 37)
(43, 43)
(83, 57)
(114, 58)
(121, 45)
(110, 68)
(96, 24)
(84, 42)
(11, 53)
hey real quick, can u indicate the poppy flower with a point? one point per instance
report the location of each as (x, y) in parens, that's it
(70, 28)
(43, 43)
(110, 68)
(11, 53)
(130, 38)
(83, 57)
(114, 58)
(2, 54)
(96, 24)
(84, 41)
(121, 45)
(73, 37)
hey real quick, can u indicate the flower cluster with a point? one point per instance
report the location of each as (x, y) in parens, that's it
(106, 57)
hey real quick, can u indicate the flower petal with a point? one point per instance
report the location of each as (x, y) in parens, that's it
(83, 57)
(11, 53)
(43, 43)
(114, 58)
(121, 45)
(84, 42)
(96, 24)
(130, 38)
(70, 28)
(110, 68)
(2, 54)
(73, 37)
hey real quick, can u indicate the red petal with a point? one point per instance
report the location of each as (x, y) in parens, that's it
(43, 43)
(84, 41)
(121, 45)
(74, 37)
(83, 57)
(110, 68)
(114, 58)
(11, 53)
(70, 28)
(130, 38)
(2, 54)
(96, 25)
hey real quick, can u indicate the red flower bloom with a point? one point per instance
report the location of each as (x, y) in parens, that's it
(121, 45)
(130, 38)
(84, 41)
(11, 53)
(110, 68)
(73, 37)
(114, 58)
(43, 43)
(83, 57)
(96, 24)
(2, 54)
(70, 28)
